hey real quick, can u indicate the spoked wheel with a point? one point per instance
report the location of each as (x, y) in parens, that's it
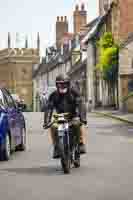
(66, 165)
(65, 157)
(77, 163)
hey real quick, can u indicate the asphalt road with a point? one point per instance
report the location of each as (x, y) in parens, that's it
(106, 171)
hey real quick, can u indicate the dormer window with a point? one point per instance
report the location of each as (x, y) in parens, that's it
(132, 63)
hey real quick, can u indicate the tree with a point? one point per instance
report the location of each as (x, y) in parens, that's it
(108, 63)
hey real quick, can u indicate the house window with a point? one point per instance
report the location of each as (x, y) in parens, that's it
(132, 63)
(130, 85)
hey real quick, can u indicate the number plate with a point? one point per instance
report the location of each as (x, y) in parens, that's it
(61, 130)
(60, 133)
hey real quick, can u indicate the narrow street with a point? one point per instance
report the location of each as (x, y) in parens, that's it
(105, 173)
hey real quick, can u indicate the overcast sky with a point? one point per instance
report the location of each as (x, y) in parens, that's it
(32, 16)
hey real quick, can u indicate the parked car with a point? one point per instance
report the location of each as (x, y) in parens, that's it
(12, 126)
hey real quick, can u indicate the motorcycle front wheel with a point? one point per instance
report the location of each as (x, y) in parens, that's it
(65, 157)
(66, 165)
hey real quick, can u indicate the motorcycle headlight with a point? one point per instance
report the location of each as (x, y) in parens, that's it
(60, 127)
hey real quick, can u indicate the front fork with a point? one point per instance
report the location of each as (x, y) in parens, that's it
(63, 143)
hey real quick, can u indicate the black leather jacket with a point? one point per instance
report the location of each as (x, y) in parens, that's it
(70, 102)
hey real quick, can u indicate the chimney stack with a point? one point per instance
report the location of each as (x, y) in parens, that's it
(80, 18)
(61, 29)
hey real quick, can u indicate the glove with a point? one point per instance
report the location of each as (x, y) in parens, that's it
(84, 122)
(45, 126)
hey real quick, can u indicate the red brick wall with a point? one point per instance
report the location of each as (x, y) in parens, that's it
(79, 19)
(126, 18)
(61, 29)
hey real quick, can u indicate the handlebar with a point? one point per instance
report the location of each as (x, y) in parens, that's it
(56, 115)
(48, 125)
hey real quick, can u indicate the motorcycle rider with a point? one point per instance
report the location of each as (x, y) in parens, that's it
(66, 100)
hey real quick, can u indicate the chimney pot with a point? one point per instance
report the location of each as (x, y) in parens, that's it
(77, 7)
(83, 6)
(62, 18)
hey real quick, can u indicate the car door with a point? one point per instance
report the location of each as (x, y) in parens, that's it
(13, 118)
(3, 117)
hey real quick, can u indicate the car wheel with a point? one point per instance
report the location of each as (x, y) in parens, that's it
(5, 152)
(22, 146)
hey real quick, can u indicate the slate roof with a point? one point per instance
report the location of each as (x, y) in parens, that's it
(44, 67)
(92, 23)
(94, 29)
(77, 66)
(53, 62)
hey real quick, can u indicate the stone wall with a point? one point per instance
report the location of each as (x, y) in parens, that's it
(126, 18)
(16, 66)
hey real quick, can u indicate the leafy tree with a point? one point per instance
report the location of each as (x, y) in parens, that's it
(108, 60)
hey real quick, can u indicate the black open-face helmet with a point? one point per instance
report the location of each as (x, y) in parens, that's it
(62, 83)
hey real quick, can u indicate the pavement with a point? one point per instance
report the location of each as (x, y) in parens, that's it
(115, 114)
(106, 171)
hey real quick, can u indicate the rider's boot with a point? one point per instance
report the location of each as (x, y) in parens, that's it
(82, 148)
(53, 141)
(82, 140)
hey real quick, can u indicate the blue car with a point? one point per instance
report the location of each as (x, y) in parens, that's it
(12, 126)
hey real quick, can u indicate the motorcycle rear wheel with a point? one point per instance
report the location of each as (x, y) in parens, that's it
(77, 158)
(77, 163)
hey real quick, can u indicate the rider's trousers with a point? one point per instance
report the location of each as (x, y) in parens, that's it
(76, 128)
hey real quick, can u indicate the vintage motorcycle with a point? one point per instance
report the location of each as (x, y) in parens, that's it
(67, 144)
